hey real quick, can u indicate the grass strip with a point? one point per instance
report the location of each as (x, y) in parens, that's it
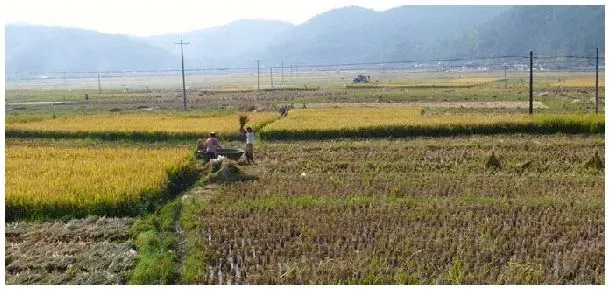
(156, 244)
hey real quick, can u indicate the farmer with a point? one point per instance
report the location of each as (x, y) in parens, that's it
(249, 145)
(283, 111)
(201, 145)
(213, 146)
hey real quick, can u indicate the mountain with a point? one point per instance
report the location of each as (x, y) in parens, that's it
(47, 49)
(223, 45)
(547, 30)
(355, 34)
(345, 35)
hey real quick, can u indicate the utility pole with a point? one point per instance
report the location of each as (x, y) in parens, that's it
(505, 80)
(183, 83)
(282, 80)
(99, 84)
(271, 70)
(258, 75)
(597, 81)
(531, 111)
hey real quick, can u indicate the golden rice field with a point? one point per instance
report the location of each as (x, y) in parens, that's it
(354, 118)
(362, 117)
(361, 122)
(142, 123)
(64, 180)
(580, 82)
(473, 80)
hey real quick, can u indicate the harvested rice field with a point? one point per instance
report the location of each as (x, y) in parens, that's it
(509, 209)
(93, 250)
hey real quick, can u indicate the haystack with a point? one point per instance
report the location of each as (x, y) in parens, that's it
(229, 172)
(493, 162)
(595, 162)
(522, 166)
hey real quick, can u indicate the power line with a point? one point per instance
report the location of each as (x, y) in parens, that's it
(410, 61)
(567, 56)
(296, 66)
(255, 69)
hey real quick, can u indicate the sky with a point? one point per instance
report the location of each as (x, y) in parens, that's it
(143, 18)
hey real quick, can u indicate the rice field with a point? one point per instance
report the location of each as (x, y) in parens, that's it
(415, 211)
(93, 250)
(579, 82)
(354, 118)
(400, 122)
(138, 125)
(57, 179)
(446, 180)
(430, 81)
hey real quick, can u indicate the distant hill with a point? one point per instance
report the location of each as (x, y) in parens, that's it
(547, 30)
(354, 34)
(47, 49)
(350, 34)
(223, 45)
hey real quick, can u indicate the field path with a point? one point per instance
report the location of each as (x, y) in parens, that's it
(180, 247)
(471, 105)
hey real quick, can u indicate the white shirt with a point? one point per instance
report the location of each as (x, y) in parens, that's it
(250, 138)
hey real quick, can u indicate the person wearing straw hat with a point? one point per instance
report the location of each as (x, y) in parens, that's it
(213, 146)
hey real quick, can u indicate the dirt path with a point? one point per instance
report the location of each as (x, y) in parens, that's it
(472, 105)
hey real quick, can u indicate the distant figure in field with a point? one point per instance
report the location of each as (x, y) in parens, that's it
(212, 146)
(249, 145)
(283, 111)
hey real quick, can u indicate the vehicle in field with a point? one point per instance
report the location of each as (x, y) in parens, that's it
(361, 79)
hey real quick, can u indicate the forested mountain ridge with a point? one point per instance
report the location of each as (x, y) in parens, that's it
(349, 34)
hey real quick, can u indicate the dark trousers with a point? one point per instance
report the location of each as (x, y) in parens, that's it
(212, 155)
(250, 152)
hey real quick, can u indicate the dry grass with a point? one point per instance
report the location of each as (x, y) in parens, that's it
(473, 105)
(82, 251)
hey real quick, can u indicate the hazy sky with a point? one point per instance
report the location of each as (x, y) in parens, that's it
(140, 17)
